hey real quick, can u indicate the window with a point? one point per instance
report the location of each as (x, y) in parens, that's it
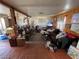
(61, 23)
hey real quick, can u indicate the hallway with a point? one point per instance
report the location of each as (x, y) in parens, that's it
(24, 17)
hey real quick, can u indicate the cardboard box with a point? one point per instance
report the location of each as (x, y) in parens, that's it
(20, 41)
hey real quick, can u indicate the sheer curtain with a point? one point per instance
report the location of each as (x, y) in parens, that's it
(61, 22)
(2, 25)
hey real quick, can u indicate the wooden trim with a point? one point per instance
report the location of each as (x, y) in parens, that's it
(73, 10)
(4, 3)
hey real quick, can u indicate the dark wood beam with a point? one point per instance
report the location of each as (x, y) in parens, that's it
(4, 3)
(13, 20)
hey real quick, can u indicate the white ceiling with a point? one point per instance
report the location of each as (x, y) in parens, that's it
(42, 7)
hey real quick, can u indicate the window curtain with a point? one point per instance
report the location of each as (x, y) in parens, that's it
(61, 22)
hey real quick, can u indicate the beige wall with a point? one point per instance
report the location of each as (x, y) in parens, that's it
(40, 20)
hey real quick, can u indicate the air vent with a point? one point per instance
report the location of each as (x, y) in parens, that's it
(41, 13)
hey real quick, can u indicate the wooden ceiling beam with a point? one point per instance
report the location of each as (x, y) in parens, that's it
(4, 3)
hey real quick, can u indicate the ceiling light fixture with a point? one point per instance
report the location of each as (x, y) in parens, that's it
(67, 7)
(40, 12)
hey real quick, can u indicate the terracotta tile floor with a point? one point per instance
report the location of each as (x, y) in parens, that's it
(29, 51)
